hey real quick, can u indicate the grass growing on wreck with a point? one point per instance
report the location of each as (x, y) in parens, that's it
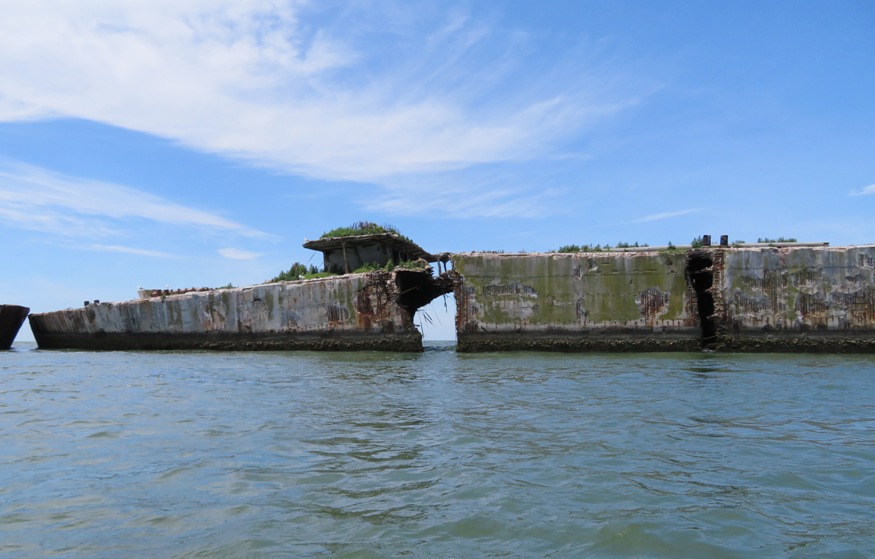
(389, 267)
(363, 228)
(299, 271)
(778, 240)
(599, 248)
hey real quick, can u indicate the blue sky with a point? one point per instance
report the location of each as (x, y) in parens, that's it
(199, 142)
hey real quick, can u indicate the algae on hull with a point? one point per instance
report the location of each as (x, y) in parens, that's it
(535, 294)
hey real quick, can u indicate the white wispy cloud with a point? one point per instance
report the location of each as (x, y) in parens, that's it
(491, 191)
(36, 199)
(132, 250)
(866, 190)
(237, 254)
(665, 215)
(462, 203)
(362, 93)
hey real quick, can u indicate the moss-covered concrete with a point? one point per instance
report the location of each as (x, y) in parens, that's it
(580, 300)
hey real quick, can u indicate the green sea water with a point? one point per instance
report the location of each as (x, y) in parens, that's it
(439, 454)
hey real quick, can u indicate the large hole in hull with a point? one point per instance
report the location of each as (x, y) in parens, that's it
(418, 288)
(701, 276)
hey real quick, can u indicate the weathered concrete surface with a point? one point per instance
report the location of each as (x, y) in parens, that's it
(610, 301)
(817, 299)
(790, 298)
(351, 312)
(11, 319)
(345, 254)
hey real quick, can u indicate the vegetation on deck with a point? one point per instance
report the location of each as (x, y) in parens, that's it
(300, 271)
(363, 228)
(599, 248)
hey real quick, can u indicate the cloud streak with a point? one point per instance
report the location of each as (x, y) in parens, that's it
(132, 250)
(463, 203)
(665, 215)
(237, 254)
(865, 191)
(36, 199)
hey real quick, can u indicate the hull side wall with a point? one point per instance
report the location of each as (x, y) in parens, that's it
(815, 299)
(764, 299)
(346, 312)
(575, 302)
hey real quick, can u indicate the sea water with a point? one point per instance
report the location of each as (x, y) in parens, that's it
(438, 454)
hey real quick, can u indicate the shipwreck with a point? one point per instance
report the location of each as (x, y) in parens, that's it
(11, 319)
(382, 279)
(760, 297)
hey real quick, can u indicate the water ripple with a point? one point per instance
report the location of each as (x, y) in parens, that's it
(197, 454)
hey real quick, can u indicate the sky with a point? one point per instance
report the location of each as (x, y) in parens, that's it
(189, 143)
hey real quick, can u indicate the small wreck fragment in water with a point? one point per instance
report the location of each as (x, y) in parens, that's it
(11, 319)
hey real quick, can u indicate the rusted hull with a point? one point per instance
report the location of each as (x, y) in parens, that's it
(11, 319)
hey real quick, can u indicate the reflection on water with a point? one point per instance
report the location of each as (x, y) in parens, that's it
(435, 455)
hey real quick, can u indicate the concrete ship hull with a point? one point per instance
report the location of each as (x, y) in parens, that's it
(757, 299)
(11, 319)
(372, 311)
(746, 299)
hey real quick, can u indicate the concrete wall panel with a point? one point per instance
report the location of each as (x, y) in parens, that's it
(797, 298)
(574, 301)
